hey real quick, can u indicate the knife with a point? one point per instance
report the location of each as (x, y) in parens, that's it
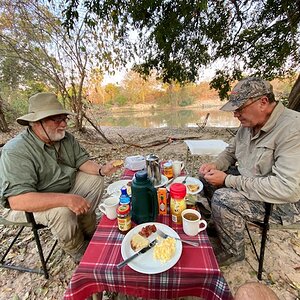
(142, 251)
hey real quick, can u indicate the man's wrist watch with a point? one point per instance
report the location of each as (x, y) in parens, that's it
(100, 173)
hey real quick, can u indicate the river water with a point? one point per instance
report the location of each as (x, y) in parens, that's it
(155, 118)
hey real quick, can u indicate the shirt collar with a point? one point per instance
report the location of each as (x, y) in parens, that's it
(277, 111)
(36, 139)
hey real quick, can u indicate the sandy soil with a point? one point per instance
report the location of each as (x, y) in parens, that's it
(282, 258)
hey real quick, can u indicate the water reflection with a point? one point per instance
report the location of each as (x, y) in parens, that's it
(170, 118)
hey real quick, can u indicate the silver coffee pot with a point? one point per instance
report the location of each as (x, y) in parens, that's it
(153, 168)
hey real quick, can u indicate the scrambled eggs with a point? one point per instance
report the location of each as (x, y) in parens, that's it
(165, 249)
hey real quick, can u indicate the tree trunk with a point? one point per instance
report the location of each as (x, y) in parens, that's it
(3, 123)
(294, 97)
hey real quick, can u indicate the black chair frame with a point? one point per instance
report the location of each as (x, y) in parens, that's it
(35, 228)
(265, 227)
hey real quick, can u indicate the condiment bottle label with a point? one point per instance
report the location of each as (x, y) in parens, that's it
(124, 224)
(162, 200)
(177, 206)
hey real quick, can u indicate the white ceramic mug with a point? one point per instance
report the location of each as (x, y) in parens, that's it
(109, 207)
(192, 223)
(177, 167)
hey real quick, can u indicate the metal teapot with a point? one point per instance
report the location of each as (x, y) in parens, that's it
(153, 169)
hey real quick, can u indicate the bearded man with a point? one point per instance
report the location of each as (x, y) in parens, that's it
(44, 170)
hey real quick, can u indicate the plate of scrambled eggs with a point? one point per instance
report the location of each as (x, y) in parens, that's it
(163, 256)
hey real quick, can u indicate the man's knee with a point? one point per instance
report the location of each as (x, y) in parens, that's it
(219, 197)
(90, 187)
(62, 215)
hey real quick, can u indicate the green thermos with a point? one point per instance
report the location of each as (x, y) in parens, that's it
(143, 199)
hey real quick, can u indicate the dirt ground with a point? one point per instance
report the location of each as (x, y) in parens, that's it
(282, 257)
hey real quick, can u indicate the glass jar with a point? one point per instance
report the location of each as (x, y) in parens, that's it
(168, 170)
(124, 218)
(177, 202)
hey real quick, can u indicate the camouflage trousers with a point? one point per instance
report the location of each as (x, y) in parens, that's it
(230, 210)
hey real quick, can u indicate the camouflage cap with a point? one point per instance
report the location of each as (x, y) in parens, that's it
(245, 89)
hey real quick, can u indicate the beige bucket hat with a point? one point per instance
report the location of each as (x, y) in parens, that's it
(42, 105)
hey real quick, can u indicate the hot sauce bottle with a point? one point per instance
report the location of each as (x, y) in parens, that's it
(162, 201)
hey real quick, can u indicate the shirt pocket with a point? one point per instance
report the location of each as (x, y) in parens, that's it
(264, 159)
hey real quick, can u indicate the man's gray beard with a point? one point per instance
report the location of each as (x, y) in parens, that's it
(56, 137)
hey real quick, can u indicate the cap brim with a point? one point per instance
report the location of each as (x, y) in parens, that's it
(229, 107)
(34, 117)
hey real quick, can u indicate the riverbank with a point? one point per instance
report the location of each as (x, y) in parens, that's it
(282, 251)
(157, 116)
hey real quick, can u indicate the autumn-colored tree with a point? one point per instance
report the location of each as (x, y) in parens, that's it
(95, 91)
(138, 89)
(112, 91)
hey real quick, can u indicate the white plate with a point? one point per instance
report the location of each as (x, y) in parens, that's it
(145, 263)
(164, 181)
(115, 187)
(189, 180)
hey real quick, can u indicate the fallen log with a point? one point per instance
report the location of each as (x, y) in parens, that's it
(167, 140)
(97, 128)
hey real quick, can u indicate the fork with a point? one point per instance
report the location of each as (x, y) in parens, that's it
(185, 178)
(164, 236)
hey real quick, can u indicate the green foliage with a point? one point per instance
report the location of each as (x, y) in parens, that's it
(17, 106)
(120, 100)
(177, 38)
(185, 102)
(221, 81)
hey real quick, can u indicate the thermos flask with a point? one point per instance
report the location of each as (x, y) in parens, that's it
(143, 198)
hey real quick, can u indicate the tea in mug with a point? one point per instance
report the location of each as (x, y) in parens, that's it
(191, 217)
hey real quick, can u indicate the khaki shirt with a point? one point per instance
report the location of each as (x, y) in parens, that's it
(29, 165)
(269, 162)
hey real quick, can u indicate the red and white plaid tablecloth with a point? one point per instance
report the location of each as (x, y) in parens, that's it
(195, 274)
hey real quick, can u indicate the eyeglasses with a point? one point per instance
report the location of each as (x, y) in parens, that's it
(58, 119)
(240, 109)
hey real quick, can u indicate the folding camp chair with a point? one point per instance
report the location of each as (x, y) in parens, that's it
(35, 229)
(265, 226)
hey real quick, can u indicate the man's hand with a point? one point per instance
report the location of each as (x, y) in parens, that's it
(205, 168)
(109, 169)
(78, 204)
(215, 177)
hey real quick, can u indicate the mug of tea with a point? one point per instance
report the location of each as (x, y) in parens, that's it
(109, 207)
(177, 167)
(192, 223)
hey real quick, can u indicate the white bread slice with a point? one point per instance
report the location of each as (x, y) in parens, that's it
(138, 242)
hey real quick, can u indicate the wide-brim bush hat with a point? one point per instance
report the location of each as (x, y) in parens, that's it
(245, 89)
(43, 105)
